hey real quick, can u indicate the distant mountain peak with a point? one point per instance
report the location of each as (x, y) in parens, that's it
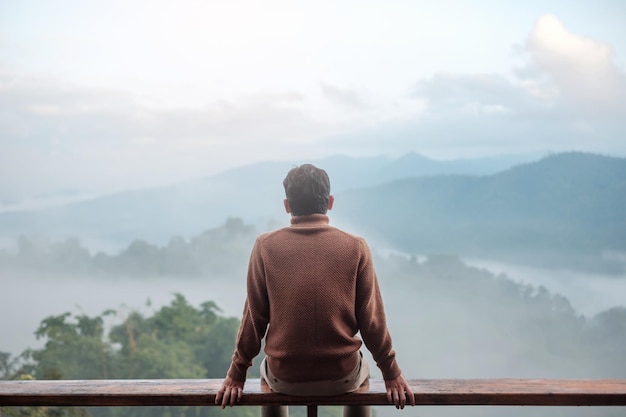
(413, 157)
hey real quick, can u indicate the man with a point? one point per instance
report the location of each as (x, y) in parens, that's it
(312, 287)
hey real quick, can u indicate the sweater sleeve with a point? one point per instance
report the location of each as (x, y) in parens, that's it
(254, 320)
(371, 316)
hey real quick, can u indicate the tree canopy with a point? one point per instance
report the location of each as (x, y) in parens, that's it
(176, 341)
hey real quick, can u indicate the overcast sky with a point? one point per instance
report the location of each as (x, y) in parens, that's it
(101, 95)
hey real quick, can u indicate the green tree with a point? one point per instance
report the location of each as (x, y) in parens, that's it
(161, 346)
(176, 341)
(75, 348)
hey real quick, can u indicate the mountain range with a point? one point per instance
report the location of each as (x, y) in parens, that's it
(565, 209)
(558, 209)
(252, 192)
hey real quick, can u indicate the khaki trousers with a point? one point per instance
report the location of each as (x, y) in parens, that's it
(351, 382)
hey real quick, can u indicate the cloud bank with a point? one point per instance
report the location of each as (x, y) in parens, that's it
(568, 94)
(581, 72)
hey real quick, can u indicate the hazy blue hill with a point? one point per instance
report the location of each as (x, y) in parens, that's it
(253, 193)
(564, 209)
(415, 165)
(157, 214)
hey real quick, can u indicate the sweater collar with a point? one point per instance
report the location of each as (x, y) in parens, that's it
(316, 219)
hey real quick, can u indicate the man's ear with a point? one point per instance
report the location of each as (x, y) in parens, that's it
(331, 201)
(287, 207)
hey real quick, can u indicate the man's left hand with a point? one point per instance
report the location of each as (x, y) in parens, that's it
(230, 392)
(398, 391)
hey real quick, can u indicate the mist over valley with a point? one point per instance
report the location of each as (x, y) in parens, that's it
(482, 274)
(563, 210)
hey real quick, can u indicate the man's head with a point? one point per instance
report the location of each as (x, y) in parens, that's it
(307, 189)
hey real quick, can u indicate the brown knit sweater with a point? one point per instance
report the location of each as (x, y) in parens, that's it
(315, 287)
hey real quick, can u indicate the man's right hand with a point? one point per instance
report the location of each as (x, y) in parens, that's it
(230, 392)
(398, 391)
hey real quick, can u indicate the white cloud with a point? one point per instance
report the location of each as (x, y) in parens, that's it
(582, 69)
(565, 75)
(171, 94)
(343, 97)
(56, 134)
(452, 93)
(570, 94)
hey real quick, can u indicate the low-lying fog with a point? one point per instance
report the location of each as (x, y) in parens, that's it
(27, 299)
(434, 334)
(588, 293)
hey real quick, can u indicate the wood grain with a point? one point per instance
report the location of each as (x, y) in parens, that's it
(520, 392)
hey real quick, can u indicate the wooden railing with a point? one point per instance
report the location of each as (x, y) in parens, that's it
(201, 392)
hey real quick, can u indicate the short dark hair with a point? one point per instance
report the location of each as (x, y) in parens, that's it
(307, 189)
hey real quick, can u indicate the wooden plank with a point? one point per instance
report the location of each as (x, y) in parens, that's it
(520, 392)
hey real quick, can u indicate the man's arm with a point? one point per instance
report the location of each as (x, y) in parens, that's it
(230, 392)
(371, 317)
(251, 331)
(373, 328)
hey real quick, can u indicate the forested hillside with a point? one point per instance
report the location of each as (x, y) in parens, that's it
(252, 192)
(448, 320)
(218, 251)
(565, 210)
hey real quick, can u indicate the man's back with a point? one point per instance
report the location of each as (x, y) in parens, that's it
(314, 287)
(310, 272)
